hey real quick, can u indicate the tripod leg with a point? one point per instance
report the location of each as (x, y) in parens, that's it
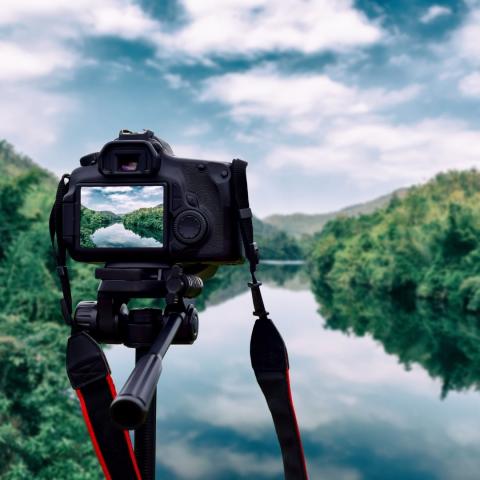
(145, 436)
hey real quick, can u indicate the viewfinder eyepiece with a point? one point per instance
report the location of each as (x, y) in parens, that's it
(127, 162)
(128, 157)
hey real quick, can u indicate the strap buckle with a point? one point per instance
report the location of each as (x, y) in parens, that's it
(245, 213)
(257, 298)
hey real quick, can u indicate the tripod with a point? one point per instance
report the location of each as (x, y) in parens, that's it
(149, 330)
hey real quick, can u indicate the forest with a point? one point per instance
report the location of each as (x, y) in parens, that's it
(91, 221)
(146, 222)
(426, 243)
(42, 435)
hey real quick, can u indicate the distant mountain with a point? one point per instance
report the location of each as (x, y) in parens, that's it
(297, 224)
(109, 214)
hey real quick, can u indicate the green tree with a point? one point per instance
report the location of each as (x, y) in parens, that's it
(91, 221)
(146, 222)
(426, 242)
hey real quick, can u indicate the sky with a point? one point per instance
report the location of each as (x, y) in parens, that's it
(332, 102)
(121, 199)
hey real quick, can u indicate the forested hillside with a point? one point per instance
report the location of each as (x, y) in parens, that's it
(42, 435)
(427, 243)
(146, 222)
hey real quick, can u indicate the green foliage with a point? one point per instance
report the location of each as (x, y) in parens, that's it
(42, 434)
(91, 221)
(146, 222)
(426, 242)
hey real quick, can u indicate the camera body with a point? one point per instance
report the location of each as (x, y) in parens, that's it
(134, 201)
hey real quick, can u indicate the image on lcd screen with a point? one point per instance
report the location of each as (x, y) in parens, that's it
(121, 217)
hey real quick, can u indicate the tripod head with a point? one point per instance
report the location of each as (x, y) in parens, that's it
(109, 320)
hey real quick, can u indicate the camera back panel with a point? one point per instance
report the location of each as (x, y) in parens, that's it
(179, 211)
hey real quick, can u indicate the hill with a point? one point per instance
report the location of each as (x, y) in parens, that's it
(275, 244)
(298, 224)
(33, 403)
(427, 243)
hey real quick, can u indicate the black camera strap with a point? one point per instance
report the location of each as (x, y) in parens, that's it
(268, 352)
(56, 228)
(89, 375)
(89, 372)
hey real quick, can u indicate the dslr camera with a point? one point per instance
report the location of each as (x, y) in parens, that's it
(135, 201)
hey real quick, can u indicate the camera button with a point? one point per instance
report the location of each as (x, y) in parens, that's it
(190, 226)
(192, 199)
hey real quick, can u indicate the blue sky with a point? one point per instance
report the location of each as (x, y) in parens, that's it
(332, 102)
(121, 199)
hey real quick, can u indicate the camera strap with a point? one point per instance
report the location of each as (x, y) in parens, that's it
(89, 372)
(89, 375)
(268, 352)
(60, 251)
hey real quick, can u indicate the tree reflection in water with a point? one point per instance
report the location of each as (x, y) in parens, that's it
(445, 341)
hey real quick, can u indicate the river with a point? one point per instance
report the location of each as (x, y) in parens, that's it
(363, 414)
(117, 236)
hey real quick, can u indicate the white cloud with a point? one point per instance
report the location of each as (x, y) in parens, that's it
(44, 39)
(434, 12)
(212, 27)
(382, 151)
(470, 85)
(466, 40)
(346, 130)
(189, 460)
(30, 117)
(19, 63)
(41, 45)
(301, 102)
(123, 18)
(250, 26)
(175, 81)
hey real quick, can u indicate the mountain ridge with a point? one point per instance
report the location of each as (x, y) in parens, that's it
(298, 224)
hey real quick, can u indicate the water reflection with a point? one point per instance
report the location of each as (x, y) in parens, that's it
(444, 341)
(363, 414)
(117, 236)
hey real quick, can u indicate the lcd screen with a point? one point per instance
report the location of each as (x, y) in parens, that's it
(127, 216)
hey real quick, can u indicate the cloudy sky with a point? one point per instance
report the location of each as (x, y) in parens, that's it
(121, 199)
(332, 102)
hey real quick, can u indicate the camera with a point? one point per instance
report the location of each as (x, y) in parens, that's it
(135, 201)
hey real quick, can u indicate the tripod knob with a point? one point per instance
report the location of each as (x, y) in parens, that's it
(85, 317)
(188, 331)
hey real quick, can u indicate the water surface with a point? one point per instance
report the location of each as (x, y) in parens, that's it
(117, 236)
(364, 413)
